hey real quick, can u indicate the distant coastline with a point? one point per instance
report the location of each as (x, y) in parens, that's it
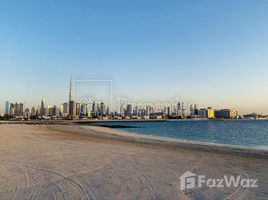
(82, 121)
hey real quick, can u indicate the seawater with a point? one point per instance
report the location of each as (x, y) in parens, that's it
(249, 133)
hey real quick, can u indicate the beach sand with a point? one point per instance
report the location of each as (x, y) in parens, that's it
(82, 162)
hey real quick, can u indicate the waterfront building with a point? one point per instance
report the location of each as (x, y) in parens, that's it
(135, 110)
(226, 114)
(129, 110)
(178, 109)
(202, 113)
(156, 115)
(192, 111)
(252, 116)
(195, 109)
(182, 110)
(206, 113)
(149, 110)
(210, 113)
(169, 111)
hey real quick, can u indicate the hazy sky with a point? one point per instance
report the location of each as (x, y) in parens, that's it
(214, 53)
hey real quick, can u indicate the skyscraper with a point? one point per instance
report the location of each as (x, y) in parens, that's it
(65, 109)
(102, 109)
(12, 109)
(42, 109)
(83, 109)
(129, 110)
(7, 108)
(33, 112)
(71, 91)
(72, 106)
(77, 109)
(19, 109)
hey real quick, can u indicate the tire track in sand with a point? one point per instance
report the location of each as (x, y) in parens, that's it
(78, 187)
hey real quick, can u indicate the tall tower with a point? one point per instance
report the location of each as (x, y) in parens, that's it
(42, 109)
(7, 108)
(71, 92)
(72, 106)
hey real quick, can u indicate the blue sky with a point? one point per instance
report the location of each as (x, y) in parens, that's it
(214, 53)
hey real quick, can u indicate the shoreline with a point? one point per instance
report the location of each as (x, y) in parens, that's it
(101, 130)
(164, 141)
(83, 121)
(149, 139)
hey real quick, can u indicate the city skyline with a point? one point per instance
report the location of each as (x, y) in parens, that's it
(126, 110)
(115, 101)
(209, 53)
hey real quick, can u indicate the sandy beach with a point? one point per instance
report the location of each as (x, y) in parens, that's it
(82, 162)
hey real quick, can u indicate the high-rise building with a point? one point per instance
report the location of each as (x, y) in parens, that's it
(7, 107)
(27, 113)
(19, 109)
(107, 111)
(179, 109)
(54, 111)
(102, 109)
(78, 109)
(72, 106)
(33, 112)
(93, 110)
(182, 110)
(12, 109)
(168, 111)
(129, 110)
(64, 109)
(195, 109)
(122, 105)
(83, 109)
(42, 109)
(51, 111)
(206, 113)
(47, 111)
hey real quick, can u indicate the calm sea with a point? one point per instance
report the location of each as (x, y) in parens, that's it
(249, 133)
